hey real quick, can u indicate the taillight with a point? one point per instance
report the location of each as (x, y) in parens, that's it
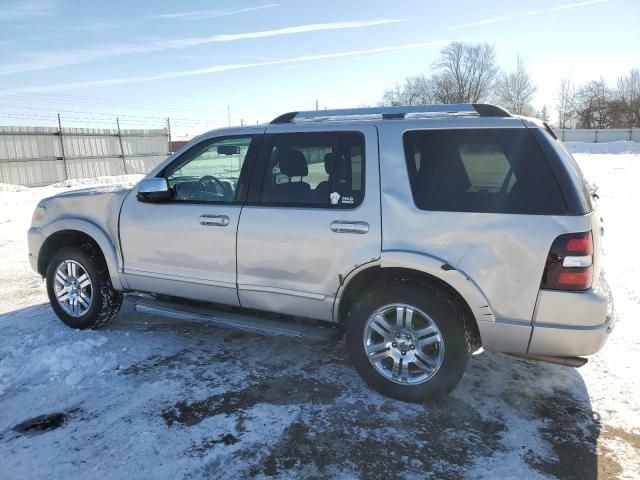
(570, 263)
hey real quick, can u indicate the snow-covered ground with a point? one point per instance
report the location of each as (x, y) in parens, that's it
(151, 397)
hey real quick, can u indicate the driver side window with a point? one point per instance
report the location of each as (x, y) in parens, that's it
(209, 171)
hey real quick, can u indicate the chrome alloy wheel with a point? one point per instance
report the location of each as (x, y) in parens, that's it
(403, 344)
(73, 288)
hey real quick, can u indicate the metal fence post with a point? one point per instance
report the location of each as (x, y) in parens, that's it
(169, 136)
(630, 134)
(124, 162)
(596, 134)
(64, 160)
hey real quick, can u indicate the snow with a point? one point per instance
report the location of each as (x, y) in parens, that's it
(151, 397)
(6, 187)
(130, 179)
(604, 148)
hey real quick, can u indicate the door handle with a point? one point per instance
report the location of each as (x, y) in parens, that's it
(214, 220)
(343, 226)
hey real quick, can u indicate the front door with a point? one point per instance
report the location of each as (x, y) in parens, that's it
(186, 247)
(312, 217)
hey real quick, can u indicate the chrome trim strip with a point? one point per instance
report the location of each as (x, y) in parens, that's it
(555, 326)
(178, 278)
(282, 291)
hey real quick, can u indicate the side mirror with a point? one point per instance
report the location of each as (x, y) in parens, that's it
(228, 150)
(153, 190)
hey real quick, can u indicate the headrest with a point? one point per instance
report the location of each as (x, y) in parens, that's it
(329, 162)
(292, 162)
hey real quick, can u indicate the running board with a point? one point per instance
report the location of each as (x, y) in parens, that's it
(574, 362)
(261, 326)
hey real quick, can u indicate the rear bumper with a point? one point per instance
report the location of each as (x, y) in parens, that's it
(572, 324)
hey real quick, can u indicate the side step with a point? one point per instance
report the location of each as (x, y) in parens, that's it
(252, 324)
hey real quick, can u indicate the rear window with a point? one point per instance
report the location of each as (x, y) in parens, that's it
(574, 172)
(481, 170)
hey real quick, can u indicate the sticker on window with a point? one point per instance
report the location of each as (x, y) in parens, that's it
(335, 198)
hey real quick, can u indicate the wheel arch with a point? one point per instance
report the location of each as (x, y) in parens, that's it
(417, 267)
(76, 232)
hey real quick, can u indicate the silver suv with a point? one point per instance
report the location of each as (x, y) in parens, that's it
(424, 233)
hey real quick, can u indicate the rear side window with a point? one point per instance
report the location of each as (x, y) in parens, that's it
(481, 170)
(315, 169)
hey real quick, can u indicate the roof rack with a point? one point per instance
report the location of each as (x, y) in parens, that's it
(390, 113)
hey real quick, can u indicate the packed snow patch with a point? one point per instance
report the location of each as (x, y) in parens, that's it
(7, 187)
(604, 148)
(130, 179)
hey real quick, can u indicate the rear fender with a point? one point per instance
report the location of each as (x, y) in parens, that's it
(439, 268)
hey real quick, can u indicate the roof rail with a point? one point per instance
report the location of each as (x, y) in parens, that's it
(389, 113)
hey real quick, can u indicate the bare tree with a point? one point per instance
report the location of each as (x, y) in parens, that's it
(418, 90)
(465, 72)
(393, 97)
(514, 90)
(628, 94)
(593, 105)
(565, 101)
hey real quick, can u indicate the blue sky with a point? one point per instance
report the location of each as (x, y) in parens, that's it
(190, 60)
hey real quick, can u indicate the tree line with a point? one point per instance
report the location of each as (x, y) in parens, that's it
(468, 73)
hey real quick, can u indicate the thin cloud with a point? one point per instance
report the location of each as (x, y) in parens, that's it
(73, 57)
(223, 68)
(19, 10)
(200, 14)
(479, 23)
(566, 6)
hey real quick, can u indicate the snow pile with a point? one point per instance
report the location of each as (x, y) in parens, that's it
(603, 148)
(130, 179)
(7, 187)
(67, 361)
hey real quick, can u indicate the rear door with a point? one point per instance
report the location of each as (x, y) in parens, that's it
(312, 216)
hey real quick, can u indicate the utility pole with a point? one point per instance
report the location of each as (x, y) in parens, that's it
(229, 115)
(64, 160)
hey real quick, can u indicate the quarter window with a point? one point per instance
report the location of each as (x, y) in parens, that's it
(481, 170)
(315, 169)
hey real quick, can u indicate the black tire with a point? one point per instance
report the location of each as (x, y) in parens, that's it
(106, 301)
(445, 311)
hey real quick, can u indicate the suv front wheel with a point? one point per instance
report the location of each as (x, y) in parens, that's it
(80, 289)
(408, 341)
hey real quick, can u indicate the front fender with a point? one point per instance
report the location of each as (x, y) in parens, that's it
(101, 238)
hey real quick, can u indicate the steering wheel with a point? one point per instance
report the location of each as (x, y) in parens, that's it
(203, 182)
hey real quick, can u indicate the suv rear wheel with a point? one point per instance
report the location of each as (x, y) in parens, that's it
(79, 287)
(409, 341)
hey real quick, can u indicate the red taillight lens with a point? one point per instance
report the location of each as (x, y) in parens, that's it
(576, 278)
(575, 250)
(582, 245)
